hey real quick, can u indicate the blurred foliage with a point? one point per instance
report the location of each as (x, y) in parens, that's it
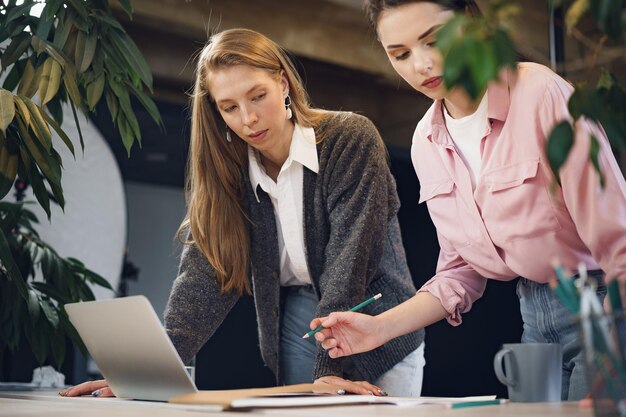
(74, 53)
(34, 309)
(476, 49)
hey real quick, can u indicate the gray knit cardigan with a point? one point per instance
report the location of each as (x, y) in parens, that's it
(353, 248)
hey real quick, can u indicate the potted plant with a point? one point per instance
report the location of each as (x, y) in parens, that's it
(74, 52)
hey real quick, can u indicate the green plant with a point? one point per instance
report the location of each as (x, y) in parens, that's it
(41, 319)
(74, 52)
(476, 49)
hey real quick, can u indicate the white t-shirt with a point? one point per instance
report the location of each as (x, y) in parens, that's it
(286, 195)
(467, 134)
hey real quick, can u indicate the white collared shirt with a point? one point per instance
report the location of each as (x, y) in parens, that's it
(286, 195)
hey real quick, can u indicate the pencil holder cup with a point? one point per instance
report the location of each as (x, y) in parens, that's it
(604, 340)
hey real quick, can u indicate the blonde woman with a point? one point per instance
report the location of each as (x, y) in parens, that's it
(295, 204)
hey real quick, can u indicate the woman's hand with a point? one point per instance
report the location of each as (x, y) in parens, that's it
(355, 387)
(99, 388)
(347, 333)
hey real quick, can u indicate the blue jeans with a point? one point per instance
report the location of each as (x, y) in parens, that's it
(547, 320)
(297, 355)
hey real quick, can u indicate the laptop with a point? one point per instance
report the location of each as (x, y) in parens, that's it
(130, 346)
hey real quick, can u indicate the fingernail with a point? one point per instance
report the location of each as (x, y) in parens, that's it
(370, 392)
(341, 391)
(383, 392)
(63, 393)
(96, 393)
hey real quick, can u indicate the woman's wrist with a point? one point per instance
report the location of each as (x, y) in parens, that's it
(383, 328)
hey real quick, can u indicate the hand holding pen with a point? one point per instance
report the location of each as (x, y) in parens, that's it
(347, 333)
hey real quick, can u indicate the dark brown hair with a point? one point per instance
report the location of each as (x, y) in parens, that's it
(374, 8)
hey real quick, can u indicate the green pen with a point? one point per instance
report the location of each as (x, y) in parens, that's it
(476, 403)
(355, 308)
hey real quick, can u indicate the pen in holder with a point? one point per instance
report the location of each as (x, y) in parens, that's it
(603, 337)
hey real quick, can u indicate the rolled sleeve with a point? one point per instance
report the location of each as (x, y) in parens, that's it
(456, 284)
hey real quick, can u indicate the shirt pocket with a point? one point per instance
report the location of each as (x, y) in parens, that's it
(443, 205)
(517, 203)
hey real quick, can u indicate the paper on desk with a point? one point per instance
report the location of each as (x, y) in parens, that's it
(310, 400)
(304, 395)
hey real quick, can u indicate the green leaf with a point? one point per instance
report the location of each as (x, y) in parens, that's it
(57, 191)
(134, 126)
(71, 85)
(131, 54)
(126, 133)
(13, 272)
(97, 279)
(11, 216)
(149, 105)
(85, 292)
(34, 177)
(22, 110)
(54, 108)
(66, 23)
(51, 9)
(559, 144)
(58, 345)
(39, 342)
(48, 165)
(107, 20)
(51, 292)
(449, 34)
(85, 50)
(594, 151)
(69, 329)
(80, 133)
(504, 49)
(14, 75)
(18, 11)
(28, 83)
(50, 312)
(33, 305)
(7, 109)
(43, 30)
(127, 7)
(16, 48)
(482, 64)
(8, 165)
(37, 45)
(49, 80)
(60, 132)
(606, 80)
(80, 8)
(94, 91)
(454, 65)
(112, 104)
(39, 125)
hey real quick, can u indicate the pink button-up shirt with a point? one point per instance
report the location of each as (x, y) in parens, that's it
(513, 223)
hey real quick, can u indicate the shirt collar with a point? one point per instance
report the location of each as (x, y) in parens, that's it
(499, 100)
(303, 150)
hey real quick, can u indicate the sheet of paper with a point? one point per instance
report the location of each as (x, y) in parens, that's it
(308, 400)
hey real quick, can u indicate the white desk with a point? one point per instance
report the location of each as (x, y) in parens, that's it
(48, 403)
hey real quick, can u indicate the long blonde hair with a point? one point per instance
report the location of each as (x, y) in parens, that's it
(215, 190)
